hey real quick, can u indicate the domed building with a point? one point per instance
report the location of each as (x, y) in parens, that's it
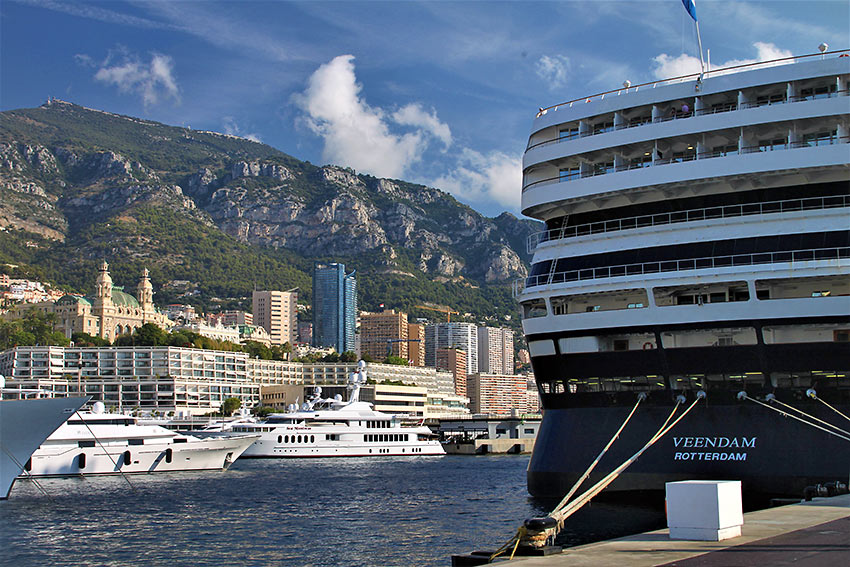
(110, 313)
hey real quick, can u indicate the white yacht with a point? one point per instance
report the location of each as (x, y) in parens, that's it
(24, 425)
(334, 428)
(696, 246)
(95, 443)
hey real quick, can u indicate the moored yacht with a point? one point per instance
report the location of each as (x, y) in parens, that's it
(696, 247)
(98, 443)
(325, 427)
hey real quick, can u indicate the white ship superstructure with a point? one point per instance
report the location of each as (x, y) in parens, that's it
(337, 428)
(696, 238)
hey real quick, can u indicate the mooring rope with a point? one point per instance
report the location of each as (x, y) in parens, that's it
(124, 476)
(592, 466)
(808, 416)
(743, 396)
(538, 537)
(28, 474)
(812, 394)
(580, 501)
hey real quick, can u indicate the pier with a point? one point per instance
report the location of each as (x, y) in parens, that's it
(808, 534)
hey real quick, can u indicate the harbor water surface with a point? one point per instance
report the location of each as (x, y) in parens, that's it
(329, 512)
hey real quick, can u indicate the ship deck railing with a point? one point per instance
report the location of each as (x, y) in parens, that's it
(753, 259)
(692, 77)
(605, 170)
(731, 107)
(690, 215)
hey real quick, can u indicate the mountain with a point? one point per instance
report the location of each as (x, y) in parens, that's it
(219, 215)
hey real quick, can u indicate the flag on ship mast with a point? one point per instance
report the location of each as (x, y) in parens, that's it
(691, 7)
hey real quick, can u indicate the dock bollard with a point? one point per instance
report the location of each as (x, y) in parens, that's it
(539, 536)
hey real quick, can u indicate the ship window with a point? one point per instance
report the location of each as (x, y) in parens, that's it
(83, 444)
(822, 91)
(772, 144)
(299, 439)
(533, 308)
(709, 338)
(820, 138)
(841, 336)
(312, 439)
(569, 173)
(568, 133)
(280, 439)
(621, 345)
(136, 441)
(541, 348)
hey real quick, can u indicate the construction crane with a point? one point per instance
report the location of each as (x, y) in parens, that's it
(445, 310)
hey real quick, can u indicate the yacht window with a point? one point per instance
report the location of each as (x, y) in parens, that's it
(533, 308)
(279, 438)
(83, 444)
(312, 439)
(136, 441)
(180, 440)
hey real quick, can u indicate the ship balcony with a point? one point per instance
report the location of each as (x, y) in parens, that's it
(800, 260)
(557, 236)
(572, 185)
(563, 140)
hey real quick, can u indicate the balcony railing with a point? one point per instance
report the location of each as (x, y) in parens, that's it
(753, 259)
(691, 77)
(707, 213)
(828, 141)
(683, 115)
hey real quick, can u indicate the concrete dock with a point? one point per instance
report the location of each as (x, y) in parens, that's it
(809, 534)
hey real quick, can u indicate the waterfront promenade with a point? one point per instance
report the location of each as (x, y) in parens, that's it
(809, 534)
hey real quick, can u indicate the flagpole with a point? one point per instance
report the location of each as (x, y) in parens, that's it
(699, 45)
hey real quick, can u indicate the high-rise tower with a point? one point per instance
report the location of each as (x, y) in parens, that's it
(334, 307)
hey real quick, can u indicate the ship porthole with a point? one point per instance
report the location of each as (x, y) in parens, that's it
(81, 461)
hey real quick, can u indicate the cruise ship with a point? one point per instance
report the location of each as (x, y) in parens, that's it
(331, 427)
(696, 248)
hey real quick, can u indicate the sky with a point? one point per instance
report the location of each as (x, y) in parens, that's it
(435, 92)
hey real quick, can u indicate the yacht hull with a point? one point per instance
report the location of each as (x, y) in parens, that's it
(24, 425)
(208, 454)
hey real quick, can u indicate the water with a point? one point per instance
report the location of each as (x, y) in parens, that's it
(317, 512)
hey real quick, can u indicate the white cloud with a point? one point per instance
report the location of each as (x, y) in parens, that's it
(553, 70)
(667, 67)
(358, 135)
(131, 75)
(484, 179)
(232, 128)
(415, 115)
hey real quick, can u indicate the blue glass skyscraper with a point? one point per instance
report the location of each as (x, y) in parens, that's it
(334, 307)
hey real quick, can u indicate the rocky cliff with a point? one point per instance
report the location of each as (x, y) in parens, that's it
(65, 168)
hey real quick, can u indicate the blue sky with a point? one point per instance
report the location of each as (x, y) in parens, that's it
(440, 93)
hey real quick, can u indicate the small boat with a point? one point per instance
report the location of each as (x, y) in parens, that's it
(330, 427)
(98, 443)
(24, 425)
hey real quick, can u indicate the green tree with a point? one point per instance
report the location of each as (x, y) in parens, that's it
(230, 405)
(348, 356)
(397, 360)
(87, 340)
(150, 334)
(35, 328)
